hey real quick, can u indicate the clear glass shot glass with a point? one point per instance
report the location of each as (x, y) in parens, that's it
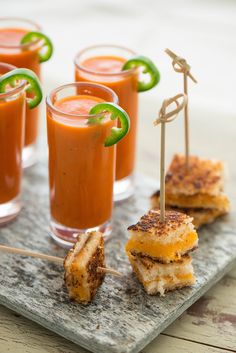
(12, 131)
(102, 64)
(81, 168)
(22, 55)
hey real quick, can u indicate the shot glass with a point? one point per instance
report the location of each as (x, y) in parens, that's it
(102, 64)
(22, 55)
(81, 168)
(12, 129)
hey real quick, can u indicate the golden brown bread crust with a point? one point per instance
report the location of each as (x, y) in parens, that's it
(200, 216)
(151, 223)
(95, 277)
(83, 276)
(204, 177)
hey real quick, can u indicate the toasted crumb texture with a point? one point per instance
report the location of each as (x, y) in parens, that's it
(201, 215)
(151, 223)
(160, 278)
(81, 276)
(204, 176)
(166, 241)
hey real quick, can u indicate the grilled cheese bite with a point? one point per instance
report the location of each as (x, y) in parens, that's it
(198, 192)
(160, 278)
(205, 177)
(165, 242)
(200, 216)
(81, 263)
(201, 187)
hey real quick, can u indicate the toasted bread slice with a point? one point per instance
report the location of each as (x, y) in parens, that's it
(200, 187)
(81, 276)
(200, 216)
(160, 278)
(165, 242)
(205, 176)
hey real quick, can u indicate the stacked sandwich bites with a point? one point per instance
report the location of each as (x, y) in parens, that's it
(159, 251)
(198, 192)
(82, 275)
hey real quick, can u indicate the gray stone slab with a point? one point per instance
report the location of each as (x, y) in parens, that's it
(122, 319)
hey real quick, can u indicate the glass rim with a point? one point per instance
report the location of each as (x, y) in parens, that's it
(15, 90)
(97, 73)
(59, 112)
(20, 46)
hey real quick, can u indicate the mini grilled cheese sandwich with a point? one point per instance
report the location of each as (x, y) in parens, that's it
(198, 192)
(81, 276)
(165, 242)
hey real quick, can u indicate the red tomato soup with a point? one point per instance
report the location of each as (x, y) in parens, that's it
(12, 124)
(107, 70)
(81, 168)
(12, 52)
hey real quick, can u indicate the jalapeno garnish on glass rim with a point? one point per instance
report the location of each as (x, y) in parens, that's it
(147, 67)
(117, 133)
(32, 85)
(46, 50)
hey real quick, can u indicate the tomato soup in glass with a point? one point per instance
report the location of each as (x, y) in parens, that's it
(81, 168)
(12, 130)
(12, 30)
(103, 65)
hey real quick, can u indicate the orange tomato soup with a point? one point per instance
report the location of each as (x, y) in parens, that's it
(12, 124)
(81, 168)
(125, 86)
(21, 56)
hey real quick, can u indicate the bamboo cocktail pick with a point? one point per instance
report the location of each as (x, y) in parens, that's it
(55, 259)
(167, 117)
(180, 65)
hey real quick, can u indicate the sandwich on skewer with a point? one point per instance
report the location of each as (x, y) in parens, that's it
(159, 252)
(82, 278)
(160, 242)
(193, 185)
(84, 265)
(198, 192)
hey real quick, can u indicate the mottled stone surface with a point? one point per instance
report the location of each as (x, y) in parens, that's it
(122, 319)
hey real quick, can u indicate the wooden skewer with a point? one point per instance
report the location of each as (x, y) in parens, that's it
(181, 62)
(180, 65)
(164, 118)
(55, 259)
(186, 123)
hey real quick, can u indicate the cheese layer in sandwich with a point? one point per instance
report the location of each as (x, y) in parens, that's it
(166, 241)
(81, 276)
(159, 278)
(200, 216)
(201, 187)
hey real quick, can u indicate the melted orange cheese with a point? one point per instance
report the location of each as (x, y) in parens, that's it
(166, 251)
(200, 200)
(79, 289)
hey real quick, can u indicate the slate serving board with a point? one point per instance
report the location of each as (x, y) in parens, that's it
(122, 319)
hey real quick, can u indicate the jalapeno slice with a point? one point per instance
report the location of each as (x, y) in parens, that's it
(148, 68)
(32, 86)
(117, 133)
(46, 50)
